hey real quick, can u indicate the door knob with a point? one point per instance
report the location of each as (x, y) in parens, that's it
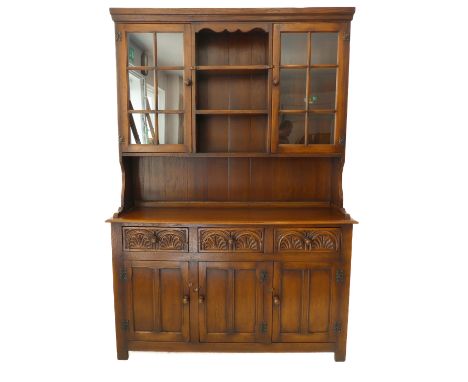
(186, 300)
(275, 81)
(276, 300)
(188, 82)
(201, 299)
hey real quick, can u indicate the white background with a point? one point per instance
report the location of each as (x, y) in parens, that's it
(404, 180)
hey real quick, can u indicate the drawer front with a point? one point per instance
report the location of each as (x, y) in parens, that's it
(155, 239)
(230, 240)
(307, 239)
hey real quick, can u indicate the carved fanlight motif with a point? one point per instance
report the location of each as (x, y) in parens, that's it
(307, 240)
(231, 240)
(155, 239)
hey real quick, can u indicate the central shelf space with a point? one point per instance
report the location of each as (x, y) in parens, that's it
(231, 92)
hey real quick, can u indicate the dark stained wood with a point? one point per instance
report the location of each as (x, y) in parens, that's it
(234, 240)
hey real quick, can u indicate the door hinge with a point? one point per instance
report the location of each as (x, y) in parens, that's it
(263, 327)
(263, 276)
(340, 276)
(346, 36)
(123, 275)
(337, 327)
(124, 325)
(118, 36)
(121, 139)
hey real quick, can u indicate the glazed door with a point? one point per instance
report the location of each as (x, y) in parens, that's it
(158, 300)
(310, 66)
(154, 87)
(235, 301)
(304, 302)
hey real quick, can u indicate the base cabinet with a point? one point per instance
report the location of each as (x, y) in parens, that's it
(247, 301)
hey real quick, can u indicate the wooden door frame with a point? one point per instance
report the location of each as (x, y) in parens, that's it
(183, 336)
(123, 89)
(341, 90)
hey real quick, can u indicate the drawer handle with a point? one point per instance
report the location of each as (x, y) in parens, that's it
(186, 300)
(276, 300)
(201, 299)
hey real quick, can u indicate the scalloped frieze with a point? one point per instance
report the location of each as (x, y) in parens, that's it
(156, 239)
(230, 240)
(232, 28)
(307, 240)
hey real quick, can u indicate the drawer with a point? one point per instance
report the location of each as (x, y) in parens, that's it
(230, 239)
(155, 239)
(307, 239)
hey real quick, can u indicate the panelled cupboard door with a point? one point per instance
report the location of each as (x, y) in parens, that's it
(309, 96)
(158, 300)
(304, 302)
(235, 301)
(154, 87)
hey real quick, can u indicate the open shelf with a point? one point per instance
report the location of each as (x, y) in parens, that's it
(231, 112)
(231, 48)
(231, 68)
(232, 133)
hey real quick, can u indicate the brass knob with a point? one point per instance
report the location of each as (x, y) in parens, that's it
(186, 300)
(275, 81)
(276, 300)
(201, 299)
(188, 82)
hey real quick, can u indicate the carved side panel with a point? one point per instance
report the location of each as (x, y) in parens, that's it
(156, 239)
(307, 240)
(230, 240)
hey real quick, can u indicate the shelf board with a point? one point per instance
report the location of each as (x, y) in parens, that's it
(229, 68)
(231, 112)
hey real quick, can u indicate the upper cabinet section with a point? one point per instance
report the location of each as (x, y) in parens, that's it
(155, 79)
(213, 82)
(309, 87)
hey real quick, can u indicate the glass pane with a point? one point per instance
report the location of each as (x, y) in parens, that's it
(140, 49)
(141, 128)
(141, 89)
(293, 48)
(170, 49)
(321, 128)
(171, 128)
(322, 88)
(293, 89)
(291, 128)
(170, 89)
(324, 48)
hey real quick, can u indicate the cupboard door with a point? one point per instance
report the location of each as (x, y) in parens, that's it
(158, 300)
(310, 65)
(304, 302)
(235, 301)
(154, 87)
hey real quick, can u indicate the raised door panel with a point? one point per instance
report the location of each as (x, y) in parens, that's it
(234, 301)
(304, 302)
(158, 301)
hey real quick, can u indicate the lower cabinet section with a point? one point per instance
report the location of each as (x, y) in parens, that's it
(237, 302)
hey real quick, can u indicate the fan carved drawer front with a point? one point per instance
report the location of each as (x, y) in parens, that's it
(155, 239)
(230, 239)
(307, 239)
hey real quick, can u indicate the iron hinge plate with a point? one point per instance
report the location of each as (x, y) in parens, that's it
(118, 36)
(340, 276)
(123, 275)
(337, 327)
(125, 325)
